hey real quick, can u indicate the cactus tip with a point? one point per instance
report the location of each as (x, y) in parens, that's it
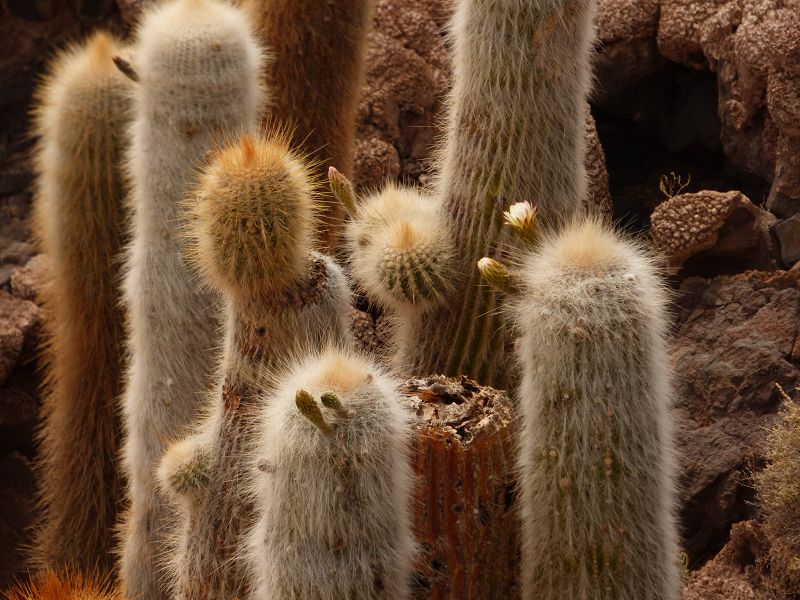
(343, 190)
(310, 410)
(126, 68)
(495, 274)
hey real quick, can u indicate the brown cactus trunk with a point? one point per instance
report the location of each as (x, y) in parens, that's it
(465, 521)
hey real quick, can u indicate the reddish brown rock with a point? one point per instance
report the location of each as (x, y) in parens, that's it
(680, 28)
(26, 282)
(19, 323)
(627, 52)
(710, 233)
(735, 337)
(732, 574)
(16, 514)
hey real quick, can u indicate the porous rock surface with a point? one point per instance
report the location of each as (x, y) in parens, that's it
(736, 336)
(713, 232)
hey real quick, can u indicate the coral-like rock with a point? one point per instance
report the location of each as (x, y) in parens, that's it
(19, 322)
(710, 233)
(736, 336)
(680, 27)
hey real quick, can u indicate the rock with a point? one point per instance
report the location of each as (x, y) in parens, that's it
(27, 281)
(729, 576)
(708, 233)
(16, 515)
(680, 26)
(735, 337)
(599, 195)
(19, 323)
(788, 234)
(626, 31)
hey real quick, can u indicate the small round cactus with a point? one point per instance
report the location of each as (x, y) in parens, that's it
(53, 585)
(332, 485)
(401, 250)
(253, 216)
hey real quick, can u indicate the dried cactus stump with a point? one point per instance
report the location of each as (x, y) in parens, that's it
(463, 456)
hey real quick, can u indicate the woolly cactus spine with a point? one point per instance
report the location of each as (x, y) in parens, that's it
(198, 67)
(515, 132)
(596, 459)
(82, 114)
(333, 485)
(54, 585)
(317, 76)
(251, 231)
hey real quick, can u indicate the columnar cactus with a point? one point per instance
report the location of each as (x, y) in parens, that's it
(596, 462)
(251, 231)
(515, 132)
(332, 485)
(82, 114)
(198, 67)
(316, 77)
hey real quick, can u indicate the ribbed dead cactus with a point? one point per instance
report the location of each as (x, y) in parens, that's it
(82, 115)
(251, 228)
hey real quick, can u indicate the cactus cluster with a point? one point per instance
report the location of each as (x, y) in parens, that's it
(265, 457)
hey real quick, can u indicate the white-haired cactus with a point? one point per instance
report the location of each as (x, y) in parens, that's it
(515, 132)
(82, 116)
(596, 482)
(198, 67)
(316, 79)
(332, 485)
(251, 228)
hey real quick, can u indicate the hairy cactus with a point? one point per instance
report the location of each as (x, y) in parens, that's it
(515, 132)
(596, 461)
(54, 585)
(399, 245)
(198, 67)
(316, 77)
(82, 114)
(333, 485)
(251, 227)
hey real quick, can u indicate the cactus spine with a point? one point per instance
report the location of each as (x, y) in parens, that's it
(515, 132)
(82, 114)
(596, 458)
(317, 76)
(251, 230)
(333, 485)
(54, 585)
(198, 67)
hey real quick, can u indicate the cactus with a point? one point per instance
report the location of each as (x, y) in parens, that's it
(251, 227)
(320, 50)
(596, 460)
(82, 113)
(54, 585)
(515, 132)
(333, 485)
(197, 64)
(399, 247)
